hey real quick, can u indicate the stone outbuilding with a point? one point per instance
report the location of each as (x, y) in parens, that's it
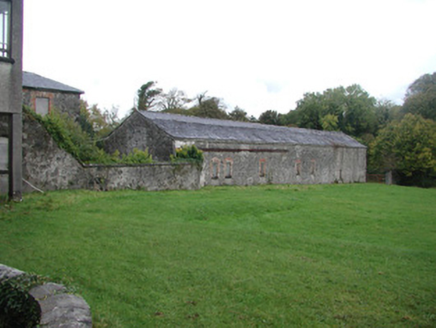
(240, 153)
(43, 94)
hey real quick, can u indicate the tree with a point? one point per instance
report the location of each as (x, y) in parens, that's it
(174, 101)
(211, 107)
(238, 114)
(270, 117)
(421, 97)
(407, 147)
(147, 95)
(350, 110)
(95, 122)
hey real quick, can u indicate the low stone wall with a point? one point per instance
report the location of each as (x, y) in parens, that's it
(58, 308)
(48, 167)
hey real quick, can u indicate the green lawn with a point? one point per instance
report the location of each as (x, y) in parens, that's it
(361, 255)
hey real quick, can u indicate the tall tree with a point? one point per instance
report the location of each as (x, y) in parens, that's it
(211, 107)
(147, 95)
(421, 97)
(349, 109)
(174, 101)
(407, 147)
(270, 117)
(238, 114)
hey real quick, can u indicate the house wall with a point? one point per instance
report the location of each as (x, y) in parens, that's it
(137, 132)
(47, 167)
(65, 102)
(283, 164)
(10, 99)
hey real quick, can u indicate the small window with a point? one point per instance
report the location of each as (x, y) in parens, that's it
(229, 168)
(215, 168)
(262, 168)
(5, 31)
(42, 106)
(298, 168)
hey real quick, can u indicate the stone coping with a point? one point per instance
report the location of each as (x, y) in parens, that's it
(58, 308)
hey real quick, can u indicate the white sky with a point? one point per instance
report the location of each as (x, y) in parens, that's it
(257, 55)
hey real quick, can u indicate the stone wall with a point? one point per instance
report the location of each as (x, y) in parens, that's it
(235, 164)
(47, 167)
(59, 308)
(137, 132)
(65, 102)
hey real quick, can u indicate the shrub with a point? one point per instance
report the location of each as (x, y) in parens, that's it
(18, 309)
(69, 136)
(188, 154)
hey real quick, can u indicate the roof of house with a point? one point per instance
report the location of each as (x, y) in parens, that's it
(35, 81)
(190, 127)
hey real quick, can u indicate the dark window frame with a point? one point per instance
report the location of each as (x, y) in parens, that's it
(6, 35)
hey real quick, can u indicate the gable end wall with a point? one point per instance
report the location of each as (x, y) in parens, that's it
(138, 132)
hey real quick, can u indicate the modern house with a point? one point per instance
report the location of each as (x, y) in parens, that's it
(240, 153)
(11, 43)
(42, 94)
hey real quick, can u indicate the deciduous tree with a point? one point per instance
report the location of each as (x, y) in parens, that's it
(407, 147)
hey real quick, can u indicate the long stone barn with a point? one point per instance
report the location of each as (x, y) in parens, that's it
(241, 153)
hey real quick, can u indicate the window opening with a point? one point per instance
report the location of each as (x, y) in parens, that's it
(42, 106)
(5, 21)
(229, 168)
(262, 168)
(215, 168)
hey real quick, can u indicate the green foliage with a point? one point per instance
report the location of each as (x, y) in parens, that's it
(270, 117)
(69, 136)
(210, 107)
(147, 95)
(350, 110)
(135, 157)
(188, 154)
(409, 148)
(18, 309)
(421, 97)
(238, 114)
(95, 122)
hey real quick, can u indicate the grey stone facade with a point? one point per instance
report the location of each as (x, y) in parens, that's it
(239, 153)
(47, 167)
(138, 132)
(58, 95)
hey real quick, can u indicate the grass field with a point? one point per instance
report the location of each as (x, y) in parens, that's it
(361, 255)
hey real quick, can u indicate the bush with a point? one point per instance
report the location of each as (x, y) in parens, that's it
(18, 309)
(69, 136)
(188, 154)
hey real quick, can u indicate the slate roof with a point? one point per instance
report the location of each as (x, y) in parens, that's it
(35, 81)
(190, 127)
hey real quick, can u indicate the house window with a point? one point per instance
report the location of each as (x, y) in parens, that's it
(5, 30)
(297, 168)
(262, 168)
(229, 168)
(42, 106)
(215, 168)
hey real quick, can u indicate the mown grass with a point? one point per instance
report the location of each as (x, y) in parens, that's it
(359, 255)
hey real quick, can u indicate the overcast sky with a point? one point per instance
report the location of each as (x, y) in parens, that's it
(257, 55)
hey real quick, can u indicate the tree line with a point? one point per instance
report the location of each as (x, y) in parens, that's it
(401, 139)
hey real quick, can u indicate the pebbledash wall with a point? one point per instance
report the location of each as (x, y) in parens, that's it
(47, 167)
